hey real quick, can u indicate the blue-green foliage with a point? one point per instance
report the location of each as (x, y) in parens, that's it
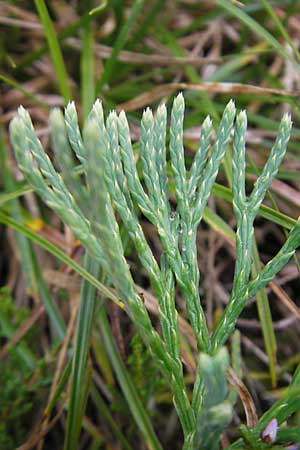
(111, 184)
(216, 410)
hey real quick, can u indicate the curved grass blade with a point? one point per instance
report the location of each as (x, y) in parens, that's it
(264, 211)
(55, 50)
(87, 68)
(59, 388)
(265, 318)
(24, 91)
(58, 253)
(281, 27)
(220, 191)
(33, 278)
(119, 44)
(256, 28)
(61, 35)
(136, 407)
(8, 196)
(105, 412)
(78, 393)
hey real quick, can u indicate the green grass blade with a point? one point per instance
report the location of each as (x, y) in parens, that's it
(61, 35)
(55, 50)
(106, 414)
(136, 407)
(261, 297)
(119, 44)
(219, 191)
(218, 224)
(59, 387)
(281, 27)
(8, 196)
(257, 172)
(33, 278)
(23, 245)
(146, 22)
(87, 69)
(50, 306)
(256, 28)
(58, 253)
(236, 304)
(265, 318)
(264, 211)
(81, 349)
(24, 91)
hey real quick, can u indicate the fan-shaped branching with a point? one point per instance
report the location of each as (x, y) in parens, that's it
(111, 182)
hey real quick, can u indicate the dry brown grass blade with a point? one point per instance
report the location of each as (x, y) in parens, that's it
(151, 304)
(36, 435)
(51, 233)
(21, 13)
(12, 98)
(283, 189)
(207, 86)
(94, 431)
(186, 330)
(246, 399)
(117, 329)
(8, 21)
(63, 280)
(285, 299)
(103, 51)
(287, 192)
(60, 362)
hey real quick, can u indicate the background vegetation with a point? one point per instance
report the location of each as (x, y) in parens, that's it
(131, 55)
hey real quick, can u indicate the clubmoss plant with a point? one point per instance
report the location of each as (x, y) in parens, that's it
(111, 183)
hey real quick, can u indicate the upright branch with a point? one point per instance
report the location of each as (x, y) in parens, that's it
(109, 182)
(99, 233)
(246, 211)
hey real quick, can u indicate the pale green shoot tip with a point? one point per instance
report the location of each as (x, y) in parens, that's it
(178, 102)
(207, 123)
